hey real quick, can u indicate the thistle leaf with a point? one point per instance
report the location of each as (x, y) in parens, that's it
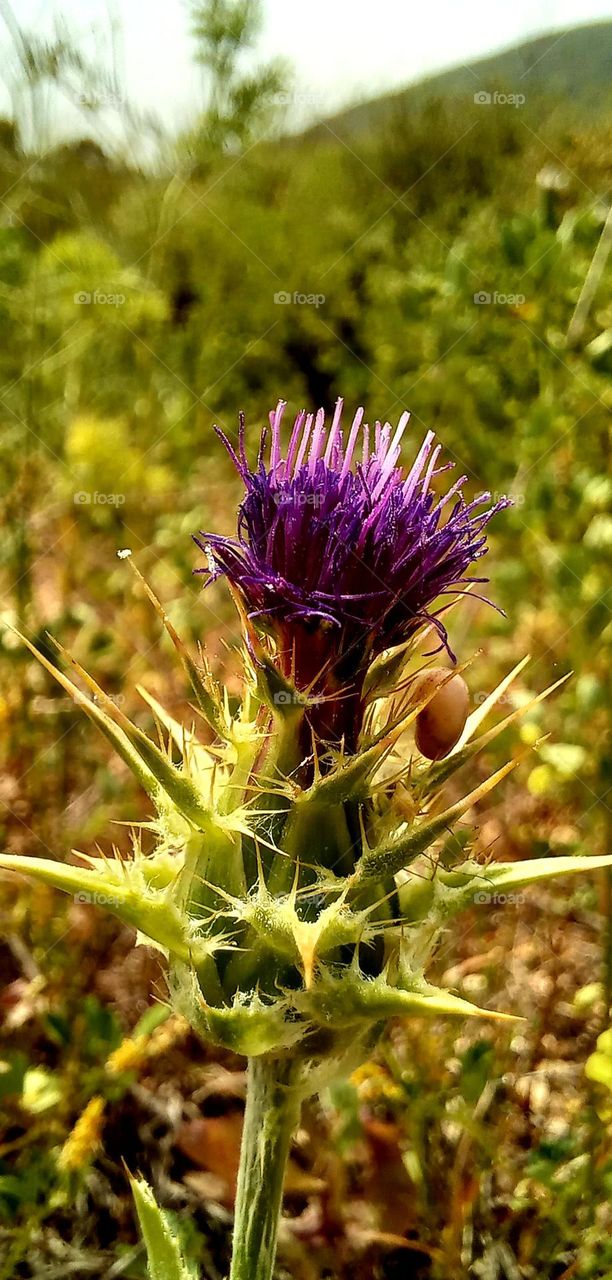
(303, 942)
(184, 739)
(125, 894)
(473, 880)
(477, 717)
(147, 762)
(464, 750)
(279, 694)
(200, 680)
(158, 870)
(348, 781)
(387, 860)
(165, 1257)
(383, 673)
(350, 998)
(179, 789)
(250, 1026)
(389, 667)
(516, 874)
(104, 722)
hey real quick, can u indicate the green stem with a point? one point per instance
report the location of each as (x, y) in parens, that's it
(272, 1114)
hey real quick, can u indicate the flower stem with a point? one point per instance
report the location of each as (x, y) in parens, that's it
(272, 1113)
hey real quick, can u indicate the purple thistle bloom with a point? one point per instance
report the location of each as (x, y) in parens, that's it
(340, 555)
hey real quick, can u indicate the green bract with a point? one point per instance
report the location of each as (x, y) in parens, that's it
(296, 917)
(298, 899)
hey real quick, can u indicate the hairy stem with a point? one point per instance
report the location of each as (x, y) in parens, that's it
(272, 1113)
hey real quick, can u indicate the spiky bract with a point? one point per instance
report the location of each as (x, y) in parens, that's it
(295, 919)
(303, 872)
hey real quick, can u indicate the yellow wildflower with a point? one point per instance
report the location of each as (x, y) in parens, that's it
(82, 1143)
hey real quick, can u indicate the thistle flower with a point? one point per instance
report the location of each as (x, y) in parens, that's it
(299, 899)
(339, 555)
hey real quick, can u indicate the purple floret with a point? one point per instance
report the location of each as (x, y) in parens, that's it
(339, 554)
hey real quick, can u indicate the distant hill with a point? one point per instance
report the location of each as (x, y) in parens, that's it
(574, 64)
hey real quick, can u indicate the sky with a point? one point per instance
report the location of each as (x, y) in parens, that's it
(340, 50)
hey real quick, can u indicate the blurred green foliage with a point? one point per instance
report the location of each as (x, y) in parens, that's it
(141, 301)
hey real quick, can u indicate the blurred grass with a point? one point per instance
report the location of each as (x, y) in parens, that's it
(137, 308)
